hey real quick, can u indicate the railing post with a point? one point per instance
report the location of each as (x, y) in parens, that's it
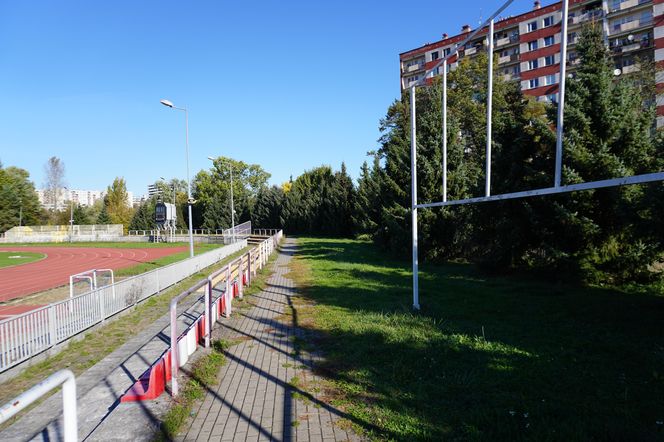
(208, 316)
(240, 277)
(101, 305)
(175, 360)
(227, 292)
(249, 267)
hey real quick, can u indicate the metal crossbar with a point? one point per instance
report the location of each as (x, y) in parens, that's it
(613, 182)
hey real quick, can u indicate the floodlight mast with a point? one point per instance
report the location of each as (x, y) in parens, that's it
(189, 199)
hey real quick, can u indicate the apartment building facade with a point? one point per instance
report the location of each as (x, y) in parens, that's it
(527, 46)
(78, 197)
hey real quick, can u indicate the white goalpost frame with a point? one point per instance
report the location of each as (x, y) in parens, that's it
(557, 187)
(91, 275)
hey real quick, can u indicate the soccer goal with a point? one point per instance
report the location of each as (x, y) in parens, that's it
(90, 280)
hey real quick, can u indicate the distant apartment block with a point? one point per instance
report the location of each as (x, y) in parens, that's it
(78, 197)
(527, 46)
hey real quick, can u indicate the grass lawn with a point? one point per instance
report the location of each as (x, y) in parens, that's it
(486, 358)
(9, 259)
(165, 260)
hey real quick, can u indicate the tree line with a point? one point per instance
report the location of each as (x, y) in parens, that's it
(608, 235)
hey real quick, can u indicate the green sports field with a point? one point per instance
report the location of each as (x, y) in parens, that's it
(8, 259)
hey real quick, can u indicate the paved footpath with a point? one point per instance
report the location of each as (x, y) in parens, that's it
(267, 388)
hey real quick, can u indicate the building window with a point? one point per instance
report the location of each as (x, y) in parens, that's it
(446, 52)
(553, 98)
(434, 55)
(532, 64)
(532, 26)
(532, 45)
(550, 79)
(549, 60)
(533, 83)
(548, 21)
(548, 41)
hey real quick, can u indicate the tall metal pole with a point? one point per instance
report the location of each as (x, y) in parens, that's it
(489, 109)
(191, 222)
(561, 95)
(232, 204)
(71, 218)
(445, 130)
(413, 194)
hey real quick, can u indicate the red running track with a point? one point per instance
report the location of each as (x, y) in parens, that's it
(61, 262)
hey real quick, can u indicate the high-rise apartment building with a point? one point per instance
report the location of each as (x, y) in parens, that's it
(527, 46)
(78, 197)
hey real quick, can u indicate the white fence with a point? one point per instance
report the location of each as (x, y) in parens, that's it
(240, 230)
(24, 336)
(64, 233)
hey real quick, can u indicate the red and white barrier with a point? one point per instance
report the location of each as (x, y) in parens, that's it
(152, 382)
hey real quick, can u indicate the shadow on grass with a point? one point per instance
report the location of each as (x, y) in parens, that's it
(486, 358)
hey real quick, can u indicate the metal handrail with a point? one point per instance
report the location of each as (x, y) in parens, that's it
(68, 381)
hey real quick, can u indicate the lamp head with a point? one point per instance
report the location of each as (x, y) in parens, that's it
(211, 159)
(166, 103)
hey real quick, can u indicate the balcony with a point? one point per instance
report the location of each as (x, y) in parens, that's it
(629, 4)
(595, 14)
(502, 42)
(505, 59)
(470, 51)
(414, 67)
(630, 69)
(634, 24)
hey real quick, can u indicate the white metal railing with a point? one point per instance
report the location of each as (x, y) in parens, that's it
(68, 381)
(266, 232)
(233, 274)
(26, 335)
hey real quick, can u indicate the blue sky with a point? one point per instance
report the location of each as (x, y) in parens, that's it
(287, 85)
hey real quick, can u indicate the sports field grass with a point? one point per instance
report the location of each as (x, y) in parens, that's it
(504, 358)
(166, 260)
(8, 259)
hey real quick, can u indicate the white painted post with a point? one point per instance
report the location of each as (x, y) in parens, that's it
(413, 194)
(52, 328)
(445, 129)
(208, 315)
(174, 348)
(227, 293)
(561, 95)
(240, 276)
(489, 109)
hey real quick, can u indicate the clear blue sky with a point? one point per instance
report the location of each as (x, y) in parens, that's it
(287, 85)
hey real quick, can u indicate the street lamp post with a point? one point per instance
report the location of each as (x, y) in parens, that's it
(71, 219)
(230, 167)
(71, 216)
(189, 199)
